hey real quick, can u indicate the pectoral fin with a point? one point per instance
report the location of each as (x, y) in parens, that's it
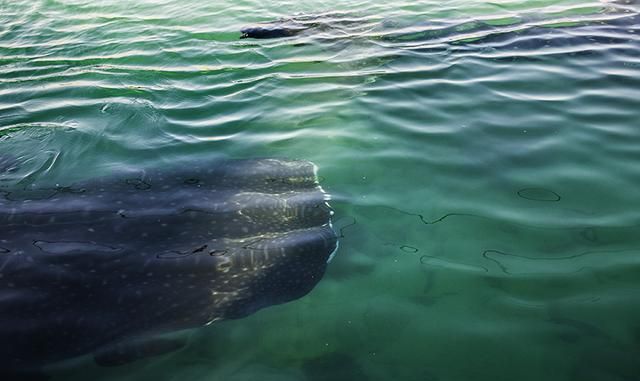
(135, 349)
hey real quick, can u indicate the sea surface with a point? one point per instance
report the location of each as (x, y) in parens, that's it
(483, 160)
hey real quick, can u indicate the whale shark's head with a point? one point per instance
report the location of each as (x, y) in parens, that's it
(276, 246)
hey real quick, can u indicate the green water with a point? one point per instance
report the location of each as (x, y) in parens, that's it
(486, 195)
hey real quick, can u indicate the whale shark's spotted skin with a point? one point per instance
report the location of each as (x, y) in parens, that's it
(97, 265)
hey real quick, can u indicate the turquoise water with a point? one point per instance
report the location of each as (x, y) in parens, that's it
(484, 184)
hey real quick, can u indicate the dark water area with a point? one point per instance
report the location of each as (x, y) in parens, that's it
(482, 160)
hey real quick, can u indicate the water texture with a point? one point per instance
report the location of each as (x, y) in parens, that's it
(482, 159)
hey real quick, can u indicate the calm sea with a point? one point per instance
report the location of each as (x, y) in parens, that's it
(483, 159)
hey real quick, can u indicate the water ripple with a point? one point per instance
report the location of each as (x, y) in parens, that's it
(488, 152)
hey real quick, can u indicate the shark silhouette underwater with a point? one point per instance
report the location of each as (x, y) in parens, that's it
(618, 22)
(109, 266)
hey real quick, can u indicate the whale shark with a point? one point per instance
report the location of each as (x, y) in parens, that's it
(616, 23)
(109, 266)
